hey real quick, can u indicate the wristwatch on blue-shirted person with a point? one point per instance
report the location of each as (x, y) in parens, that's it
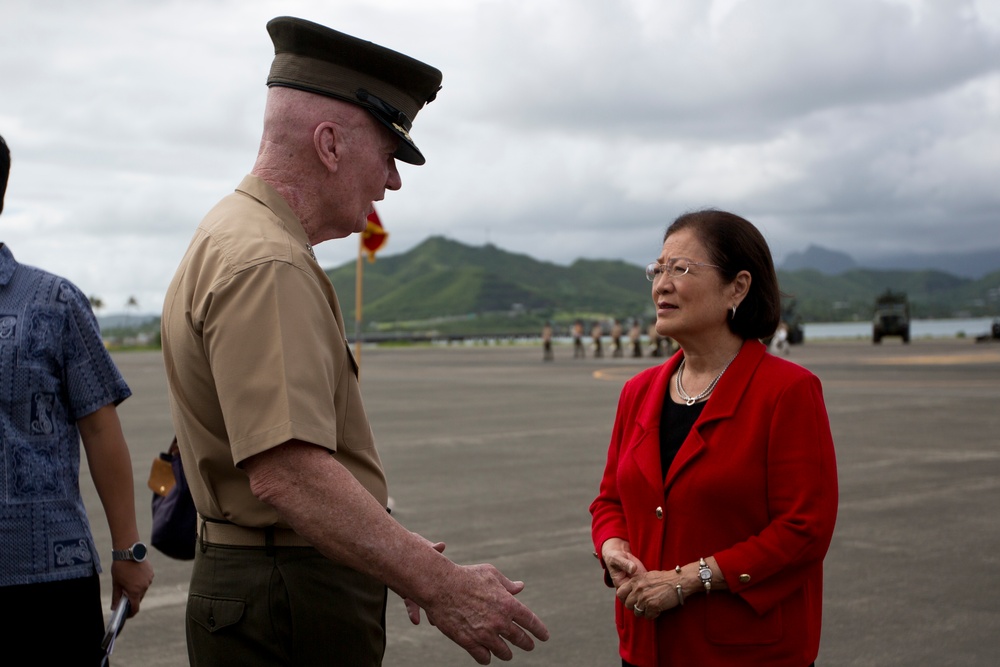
(137, 552)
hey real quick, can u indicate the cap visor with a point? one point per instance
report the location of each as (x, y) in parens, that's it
(407, 151)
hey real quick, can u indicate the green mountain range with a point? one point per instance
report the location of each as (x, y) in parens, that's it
(450, 287)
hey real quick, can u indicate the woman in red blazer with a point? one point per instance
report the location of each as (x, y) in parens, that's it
(719, 498)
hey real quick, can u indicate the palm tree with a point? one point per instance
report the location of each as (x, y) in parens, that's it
(131, 304)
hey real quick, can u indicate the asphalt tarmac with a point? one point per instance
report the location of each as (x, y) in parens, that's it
(498, 454)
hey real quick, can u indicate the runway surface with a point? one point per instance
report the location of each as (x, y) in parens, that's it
(499, 454)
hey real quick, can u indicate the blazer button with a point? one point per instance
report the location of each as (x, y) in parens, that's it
(744, 578)
(659, 512)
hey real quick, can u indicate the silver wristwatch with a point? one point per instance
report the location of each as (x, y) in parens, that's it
(137, 552)
(705, 574)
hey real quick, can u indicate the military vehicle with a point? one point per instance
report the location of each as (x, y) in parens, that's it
(794, 331)
(892, 316)
(792, 319)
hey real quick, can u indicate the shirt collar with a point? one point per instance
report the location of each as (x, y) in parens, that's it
(259, 189)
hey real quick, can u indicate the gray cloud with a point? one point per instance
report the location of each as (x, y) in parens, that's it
(566, 128)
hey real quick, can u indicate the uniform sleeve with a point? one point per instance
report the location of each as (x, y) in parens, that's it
(269, 335)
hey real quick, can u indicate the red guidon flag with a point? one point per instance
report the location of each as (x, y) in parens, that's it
(374, 236)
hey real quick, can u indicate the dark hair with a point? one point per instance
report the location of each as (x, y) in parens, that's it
(4, 169)
(735, 245)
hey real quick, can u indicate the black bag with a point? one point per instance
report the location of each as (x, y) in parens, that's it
(175, 520)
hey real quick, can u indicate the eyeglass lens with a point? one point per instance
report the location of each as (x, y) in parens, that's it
(673, 268)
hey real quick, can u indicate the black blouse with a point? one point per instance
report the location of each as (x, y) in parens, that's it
(676, 420)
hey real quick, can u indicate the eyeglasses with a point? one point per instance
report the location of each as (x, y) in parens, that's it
(674, 268)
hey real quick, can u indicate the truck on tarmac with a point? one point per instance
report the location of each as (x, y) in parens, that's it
(892, 316)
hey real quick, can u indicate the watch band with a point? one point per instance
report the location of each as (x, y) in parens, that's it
(705, 574)
(137, 552)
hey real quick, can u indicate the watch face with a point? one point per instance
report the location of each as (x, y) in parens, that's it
(705, 574)
(139, 551)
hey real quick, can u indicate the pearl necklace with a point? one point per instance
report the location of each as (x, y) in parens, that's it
(691, 400)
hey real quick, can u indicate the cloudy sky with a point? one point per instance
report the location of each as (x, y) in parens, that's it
(565, 129)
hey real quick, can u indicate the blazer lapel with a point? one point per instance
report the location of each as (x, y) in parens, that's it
(647, 449)
(721, 405)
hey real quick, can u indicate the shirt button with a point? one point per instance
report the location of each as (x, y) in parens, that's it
(659, 512)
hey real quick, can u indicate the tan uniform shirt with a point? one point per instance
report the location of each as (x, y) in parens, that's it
(256, 355)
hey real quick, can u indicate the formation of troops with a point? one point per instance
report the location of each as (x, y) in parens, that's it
(613, 333)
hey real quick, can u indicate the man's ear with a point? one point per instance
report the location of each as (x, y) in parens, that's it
(328, 142)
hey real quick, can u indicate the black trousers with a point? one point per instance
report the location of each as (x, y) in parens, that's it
(55, 623)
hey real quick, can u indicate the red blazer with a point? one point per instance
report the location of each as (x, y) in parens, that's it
(755, 485)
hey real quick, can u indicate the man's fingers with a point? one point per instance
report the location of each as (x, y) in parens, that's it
(499, 648)
(483, 618)
(514, 587)
(529, 621)
(519, 638)
(480, 654)
(504, 653)
(521, 615)
(412, 610)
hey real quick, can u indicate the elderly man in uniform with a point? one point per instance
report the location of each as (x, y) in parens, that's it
(295, 546)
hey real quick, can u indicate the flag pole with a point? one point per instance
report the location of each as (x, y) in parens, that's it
(357, 304)
(370, 240)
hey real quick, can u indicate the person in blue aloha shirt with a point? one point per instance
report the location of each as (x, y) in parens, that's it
(58, 385)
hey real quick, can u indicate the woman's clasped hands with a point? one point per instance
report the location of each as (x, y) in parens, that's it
(647, 593)
(651, 593)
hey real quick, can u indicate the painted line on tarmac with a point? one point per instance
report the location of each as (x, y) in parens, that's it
(937, 359)
(616, 374)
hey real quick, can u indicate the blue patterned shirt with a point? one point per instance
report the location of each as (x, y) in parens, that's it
(54, 369)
